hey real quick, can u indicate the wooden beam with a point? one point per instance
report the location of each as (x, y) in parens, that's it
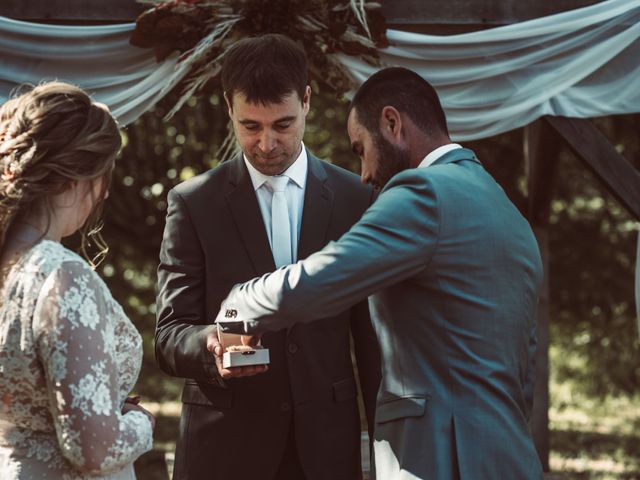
(541, 149)
(539, 421)
(620, 177)
(397, 12)
(101, 11)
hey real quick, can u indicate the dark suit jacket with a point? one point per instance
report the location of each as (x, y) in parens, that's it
(214, 238)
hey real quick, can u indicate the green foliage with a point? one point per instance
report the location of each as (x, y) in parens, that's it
(593, 245)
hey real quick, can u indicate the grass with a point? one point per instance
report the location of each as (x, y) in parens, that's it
(595, 439)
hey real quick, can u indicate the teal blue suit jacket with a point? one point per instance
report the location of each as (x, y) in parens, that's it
(453, 272)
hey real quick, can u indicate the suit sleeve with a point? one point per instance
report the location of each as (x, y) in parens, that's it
(394, 240)
(180, 338)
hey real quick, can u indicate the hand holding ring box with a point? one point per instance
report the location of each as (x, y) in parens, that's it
(238, 355)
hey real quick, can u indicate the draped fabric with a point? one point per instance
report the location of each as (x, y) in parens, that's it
(580, 63)
(97, 58)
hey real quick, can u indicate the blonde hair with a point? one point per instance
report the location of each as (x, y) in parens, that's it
(51, 136)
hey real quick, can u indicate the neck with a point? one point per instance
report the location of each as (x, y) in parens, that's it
(424, 146)
(38, 227)
(420, 143)
(21, 237)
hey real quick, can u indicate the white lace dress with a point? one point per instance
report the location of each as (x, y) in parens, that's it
(68, 358)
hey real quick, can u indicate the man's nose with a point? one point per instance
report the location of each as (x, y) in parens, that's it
(267, 141)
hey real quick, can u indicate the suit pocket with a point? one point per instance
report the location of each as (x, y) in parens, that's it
(206, 395)
(402, 407)
(344, 390)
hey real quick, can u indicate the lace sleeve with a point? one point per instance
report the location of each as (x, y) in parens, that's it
(75, 336)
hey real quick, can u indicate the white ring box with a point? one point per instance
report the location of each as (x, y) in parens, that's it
(255, 356)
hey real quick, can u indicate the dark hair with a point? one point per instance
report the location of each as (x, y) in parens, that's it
(51, 136)
(265, 69)
(404, 90)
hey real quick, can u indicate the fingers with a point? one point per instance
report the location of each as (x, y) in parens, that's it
(213, 344)
(250, 340)
(215, 347)
(239, 372)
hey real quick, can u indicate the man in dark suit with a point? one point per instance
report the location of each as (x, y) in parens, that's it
(271, 206)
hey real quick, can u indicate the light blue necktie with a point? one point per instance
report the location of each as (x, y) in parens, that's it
(280, 225)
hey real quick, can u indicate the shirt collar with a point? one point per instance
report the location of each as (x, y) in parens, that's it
(297, 171)
(437, 153)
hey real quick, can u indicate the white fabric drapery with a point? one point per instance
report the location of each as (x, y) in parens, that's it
(97, 58)
(581, 63)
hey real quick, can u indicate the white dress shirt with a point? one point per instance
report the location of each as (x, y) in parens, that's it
(294, 194)
(437, 153)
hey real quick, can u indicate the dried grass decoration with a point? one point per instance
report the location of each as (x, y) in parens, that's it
(201, 31)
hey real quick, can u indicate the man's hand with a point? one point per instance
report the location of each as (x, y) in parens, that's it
(214, 346)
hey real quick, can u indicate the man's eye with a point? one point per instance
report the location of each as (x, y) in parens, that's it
(283, 126)
(251, 128)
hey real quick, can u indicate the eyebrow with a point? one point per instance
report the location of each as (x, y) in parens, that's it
(289, 118)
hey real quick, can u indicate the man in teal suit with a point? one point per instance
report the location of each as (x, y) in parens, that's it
(452, 271)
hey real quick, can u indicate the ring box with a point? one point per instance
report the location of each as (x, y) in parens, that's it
(255, 356)
(243, 358)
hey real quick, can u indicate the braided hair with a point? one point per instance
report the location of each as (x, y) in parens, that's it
(51, 136)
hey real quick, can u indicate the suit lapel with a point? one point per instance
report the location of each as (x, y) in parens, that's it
(318, 204)
(245, 210)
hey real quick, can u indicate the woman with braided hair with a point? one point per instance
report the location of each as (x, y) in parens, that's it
(68, 354)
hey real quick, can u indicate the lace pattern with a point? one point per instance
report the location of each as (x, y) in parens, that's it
(68, 358)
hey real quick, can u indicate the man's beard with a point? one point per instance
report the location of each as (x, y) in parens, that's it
(391, 160)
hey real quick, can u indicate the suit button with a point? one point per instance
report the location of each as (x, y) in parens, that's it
(293, 348)
(285, 407)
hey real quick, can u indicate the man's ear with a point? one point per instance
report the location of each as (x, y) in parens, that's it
(391, 123)
(306, 100)
(229, 106)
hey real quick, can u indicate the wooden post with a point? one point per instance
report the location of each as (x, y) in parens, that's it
(541, 148)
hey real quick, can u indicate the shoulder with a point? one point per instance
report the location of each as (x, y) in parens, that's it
(411, 179)
(63, 270)
(209, 181)
(409, 191)
(342, 180)
(47, 256)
